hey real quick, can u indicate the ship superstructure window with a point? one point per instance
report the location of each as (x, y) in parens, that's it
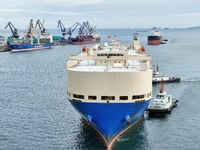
(138, 96)
(78, 96)
(113, 54)
(123, 97)
(92, 97)
(108, 97)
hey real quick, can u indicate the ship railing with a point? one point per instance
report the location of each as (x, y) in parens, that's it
(140, 58)
(144, 65)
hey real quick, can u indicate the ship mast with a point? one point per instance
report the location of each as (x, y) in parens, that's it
(162, 89)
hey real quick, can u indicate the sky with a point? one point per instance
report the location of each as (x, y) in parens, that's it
(103, 13)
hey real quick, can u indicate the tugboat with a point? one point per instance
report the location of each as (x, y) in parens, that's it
(158, 77)
(163, 103)
(110, 86)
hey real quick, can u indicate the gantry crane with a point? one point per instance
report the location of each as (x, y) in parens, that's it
(62, 28)
(67, 31)
(33, 31)
(42, 30)
(86, 29)
(72, 28)
(13, 30)
(28, 32)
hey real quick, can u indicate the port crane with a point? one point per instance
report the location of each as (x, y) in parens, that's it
(67, 31)
(62, 28)
(42, 31)
(86, 29)
(27, 34)
(33, 31)
(72, 28)
(13, 30)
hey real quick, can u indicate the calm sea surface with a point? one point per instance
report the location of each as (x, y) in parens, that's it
(35, 113)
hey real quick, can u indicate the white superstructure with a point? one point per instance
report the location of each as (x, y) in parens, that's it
(128, 72)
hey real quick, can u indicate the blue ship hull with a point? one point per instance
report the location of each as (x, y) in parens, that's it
(111, 119)
(29, 47)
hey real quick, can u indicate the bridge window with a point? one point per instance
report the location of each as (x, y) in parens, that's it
(123, 97)
(137, 96)
(92, 97)
(108, 97)
(110, 54)
(78, 96)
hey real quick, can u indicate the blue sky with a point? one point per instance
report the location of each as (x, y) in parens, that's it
(103, 13)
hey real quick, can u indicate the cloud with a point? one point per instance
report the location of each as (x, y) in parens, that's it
(103, 13)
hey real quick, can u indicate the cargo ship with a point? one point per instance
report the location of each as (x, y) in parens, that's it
(110, 86)
(155, 38)
(87, 34)
(29, 47)
(44, 40)
(85, 39)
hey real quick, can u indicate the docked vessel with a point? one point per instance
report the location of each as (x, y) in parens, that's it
(158, 77)
(110, 86)
(155, 38)
(85, 39)
(44, 40)
(29, 47)
(86, 34)
(163, 103)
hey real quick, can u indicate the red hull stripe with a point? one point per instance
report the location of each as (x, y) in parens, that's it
(154, 42)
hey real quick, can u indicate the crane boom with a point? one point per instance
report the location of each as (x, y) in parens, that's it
(62, 28)
(13, 30)
(33, 31)
(28, 32)
(67, 31)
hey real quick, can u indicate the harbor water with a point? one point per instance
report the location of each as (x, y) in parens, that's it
(35, 113)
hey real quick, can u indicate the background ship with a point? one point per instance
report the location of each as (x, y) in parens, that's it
(86, 33)
(86, 39)
(158, 77)
(29, 42)
(155, 38)
(110, 86)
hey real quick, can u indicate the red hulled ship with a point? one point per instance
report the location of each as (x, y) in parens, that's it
(155, 38)
(85, 39)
